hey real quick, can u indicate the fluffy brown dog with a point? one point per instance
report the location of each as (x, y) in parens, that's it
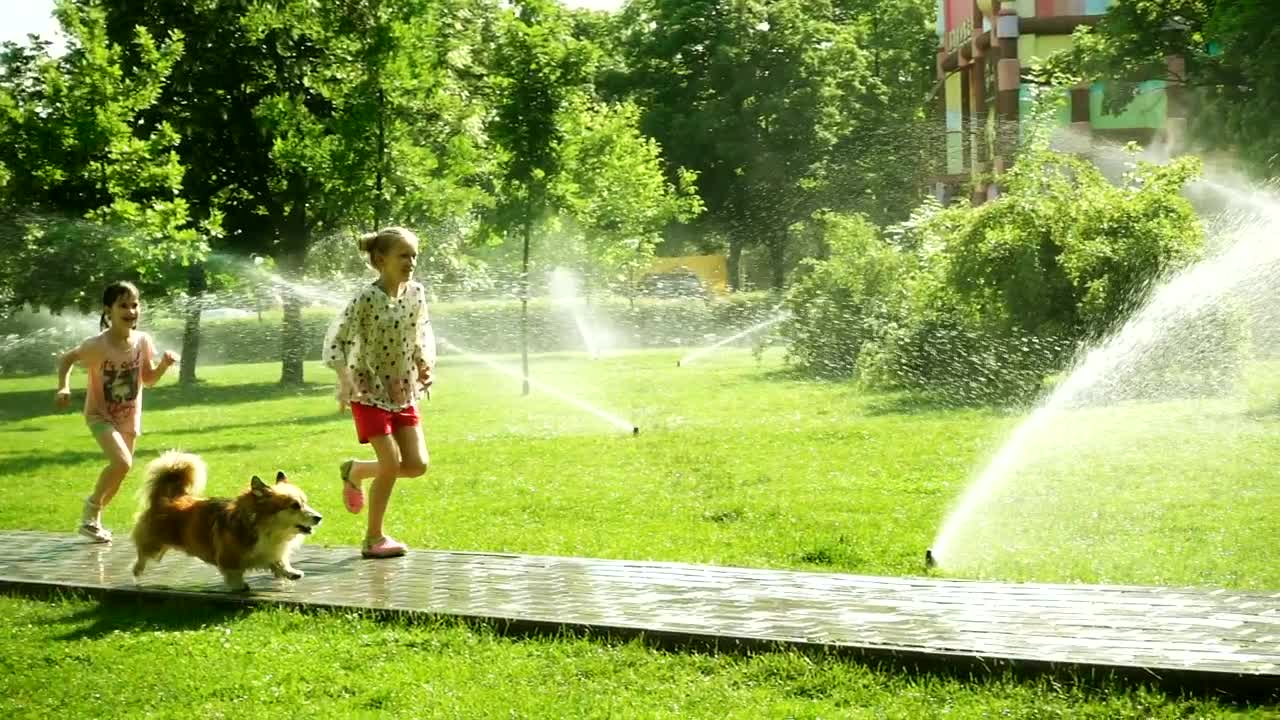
(258, 529)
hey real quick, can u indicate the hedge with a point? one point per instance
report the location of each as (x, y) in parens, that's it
(476, 326)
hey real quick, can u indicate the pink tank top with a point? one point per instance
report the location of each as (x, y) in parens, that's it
(115, 381)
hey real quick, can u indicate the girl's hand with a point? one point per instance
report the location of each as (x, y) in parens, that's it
(343, 393)
(62, 397)
(169, 358)
(426, 376)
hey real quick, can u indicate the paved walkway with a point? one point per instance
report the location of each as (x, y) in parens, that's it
(1216, 637)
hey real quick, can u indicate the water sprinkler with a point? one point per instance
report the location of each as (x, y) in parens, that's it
(677, 363)
(635, 430)
(929, 560)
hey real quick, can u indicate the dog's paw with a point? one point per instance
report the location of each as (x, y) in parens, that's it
(286, 572)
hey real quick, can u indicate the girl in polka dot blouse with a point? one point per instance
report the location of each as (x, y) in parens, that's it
(383, 350)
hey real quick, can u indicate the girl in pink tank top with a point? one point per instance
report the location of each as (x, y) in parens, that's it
(119, 363)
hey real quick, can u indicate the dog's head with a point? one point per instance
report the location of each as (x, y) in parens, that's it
(283, 505)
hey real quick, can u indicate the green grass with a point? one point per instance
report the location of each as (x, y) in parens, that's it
(737, 463)
(73, 658)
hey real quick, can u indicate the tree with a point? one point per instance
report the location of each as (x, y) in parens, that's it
(211, 109)
(769, 103)
(537, 66)
(614, 186)
(1227, 65)
(87, 197)
(320, 119)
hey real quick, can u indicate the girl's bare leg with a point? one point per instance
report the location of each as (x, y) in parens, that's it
(384, 481)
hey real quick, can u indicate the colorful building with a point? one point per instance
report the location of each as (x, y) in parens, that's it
(985, 49)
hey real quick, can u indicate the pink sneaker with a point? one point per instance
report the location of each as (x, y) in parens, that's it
(383, 547)
(352, 495)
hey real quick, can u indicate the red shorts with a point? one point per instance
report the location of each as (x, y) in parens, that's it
(374, 421)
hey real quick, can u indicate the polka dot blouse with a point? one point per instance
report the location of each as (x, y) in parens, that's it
(385, 342)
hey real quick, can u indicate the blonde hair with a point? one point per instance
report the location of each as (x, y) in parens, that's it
(378, 243)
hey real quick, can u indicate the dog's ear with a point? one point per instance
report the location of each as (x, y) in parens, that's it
(259, 487)
(281, 477)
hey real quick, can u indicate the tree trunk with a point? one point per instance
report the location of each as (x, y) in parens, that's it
(524, 301)
(735, 263)
(777, 261)
(380, 210)
(196, 285)
(293, 350)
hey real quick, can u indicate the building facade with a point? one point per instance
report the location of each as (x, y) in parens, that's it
(985, 96)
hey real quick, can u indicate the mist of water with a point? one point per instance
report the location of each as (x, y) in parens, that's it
(1173, 328)
(564, 292)
(703, 352)
(542, 387)
(329, 297)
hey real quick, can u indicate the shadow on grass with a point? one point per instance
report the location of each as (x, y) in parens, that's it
(30, 404)
(882, 402)
(25, 463)
(116, 613)
(277, 422)
(119, 610)
(1269, 411)
(917, 403)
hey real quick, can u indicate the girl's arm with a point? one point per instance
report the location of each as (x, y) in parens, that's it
(62, 396)
(152, 374)
(339, 342)
(424, 349)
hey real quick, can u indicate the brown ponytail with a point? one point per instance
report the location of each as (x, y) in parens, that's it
(113, 293)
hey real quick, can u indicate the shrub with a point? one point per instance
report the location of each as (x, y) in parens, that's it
(846, 301)
(477, 326)
(982, 304)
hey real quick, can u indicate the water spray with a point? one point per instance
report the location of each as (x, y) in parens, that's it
(784, 315)
(327, 297)
(564, 290)
(554, 392)
(1249, 254)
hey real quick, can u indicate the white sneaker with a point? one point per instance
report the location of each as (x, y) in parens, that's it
(95, 532)
(91, 523)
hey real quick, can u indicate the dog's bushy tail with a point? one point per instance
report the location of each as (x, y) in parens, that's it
(171, 476)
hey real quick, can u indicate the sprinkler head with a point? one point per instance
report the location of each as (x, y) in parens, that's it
(635, 430)
(677, 363)
(929, 560)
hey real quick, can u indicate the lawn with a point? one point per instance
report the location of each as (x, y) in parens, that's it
(737, 462)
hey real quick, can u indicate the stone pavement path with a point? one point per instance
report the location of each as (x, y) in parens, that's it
(1203, 635)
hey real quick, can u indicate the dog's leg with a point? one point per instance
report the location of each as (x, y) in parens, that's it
(284, 570)
(232, 569)
(235, 580)
(145, 554)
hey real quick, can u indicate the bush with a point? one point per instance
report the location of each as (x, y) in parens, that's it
(844, 302)
(954, 362)
(982, 304)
